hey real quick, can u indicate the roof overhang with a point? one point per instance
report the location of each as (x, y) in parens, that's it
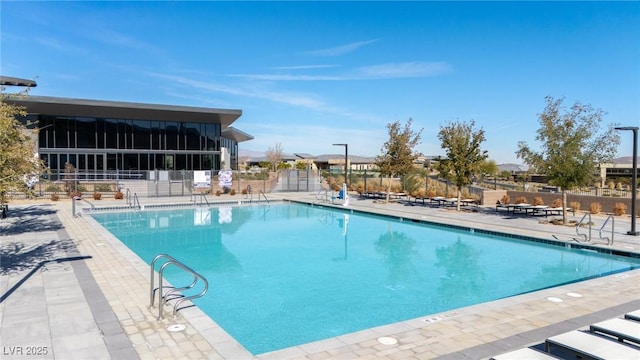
(125, 110)
(235, 134)
(14, 81)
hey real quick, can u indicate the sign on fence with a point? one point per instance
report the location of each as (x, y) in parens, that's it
(202, 178)
(224, 179)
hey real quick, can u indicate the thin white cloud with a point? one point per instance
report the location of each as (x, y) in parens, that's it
(404, 70)
(112, 37)
(304, 67)
(59, 45)
(340, 50)
(256, 90)
(297, 138)
(415, 69)
(281, 97)
(289, 77)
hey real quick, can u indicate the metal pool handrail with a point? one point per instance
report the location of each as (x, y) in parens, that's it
(263, 195)
(173, 293)
(609, 241)
(136, 202)
(202, 197)
(586, 214)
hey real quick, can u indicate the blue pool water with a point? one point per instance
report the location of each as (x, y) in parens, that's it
(289, 274)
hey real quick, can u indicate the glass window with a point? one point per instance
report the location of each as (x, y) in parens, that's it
(193, 136)
(197, 162)
(111, 132)
(53, 162)
(86, 132)
(82, 162)
(159, 161)
(50, 132)
(61, 127)
(144, 162)
(100, 162)
(157, 135)
(72, 132)
(91, 163)
(181, 162)
(212, 131)
(172, 135)
(130, 162)
(100, 133)
(45, 124)
(111, 162)
(141, 134)
(124, 134)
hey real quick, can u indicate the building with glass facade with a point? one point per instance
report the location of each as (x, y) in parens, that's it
(110, 136)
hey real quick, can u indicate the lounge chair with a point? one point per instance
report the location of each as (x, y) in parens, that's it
(536, 209)
(591, 346)
(521, 207)
(621, 329)
(526, 353)
(634, 315)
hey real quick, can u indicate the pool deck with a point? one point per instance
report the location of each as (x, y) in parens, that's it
(70, 290)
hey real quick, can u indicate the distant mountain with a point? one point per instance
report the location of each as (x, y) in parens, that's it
(623, 160)
(250, 153)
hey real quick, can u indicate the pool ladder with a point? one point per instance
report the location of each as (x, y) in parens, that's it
(133, 202)
(260, 192)
(201, 196)
(173, 293)
(587, 236)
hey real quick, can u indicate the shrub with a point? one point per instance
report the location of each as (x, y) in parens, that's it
(538, 201)
(119, 195)
(595, 208)
(619, 209)
(521, 200)
(103, 187)
(232, 192)
(55, 197)
(505, 199)
(76, 194)
(556, 203)
(218, 192)
(244, 191)
(52, 188)
(97, 195)
(575, 206)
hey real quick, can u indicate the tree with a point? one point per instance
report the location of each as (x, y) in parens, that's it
(572, 146)
(17, 153)
(397, 153)
(489, 167)
(464, 156)
(274, 156)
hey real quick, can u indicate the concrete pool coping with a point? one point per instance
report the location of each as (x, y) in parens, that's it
(477, 331)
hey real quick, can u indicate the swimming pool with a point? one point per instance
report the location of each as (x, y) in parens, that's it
(290, 274)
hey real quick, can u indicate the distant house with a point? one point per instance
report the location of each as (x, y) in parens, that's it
(621, 167)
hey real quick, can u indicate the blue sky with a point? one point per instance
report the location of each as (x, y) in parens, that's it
(310, 74)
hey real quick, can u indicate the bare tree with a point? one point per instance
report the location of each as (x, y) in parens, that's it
(274, 155)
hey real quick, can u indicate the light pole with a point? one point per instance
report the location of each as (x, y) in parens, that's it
(346, 160)
(634, 177)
